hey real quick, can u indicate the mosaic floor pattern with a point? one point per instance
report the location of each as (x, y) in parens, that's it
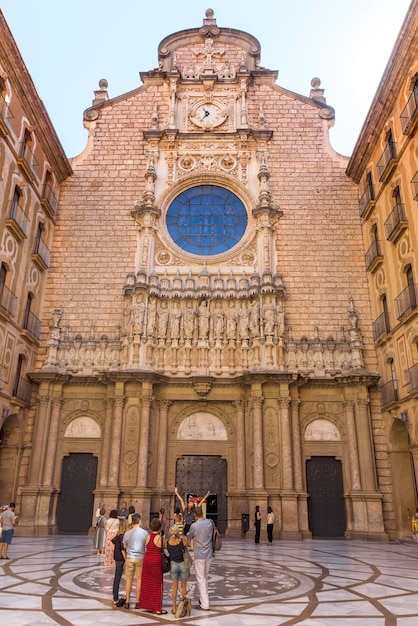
(58, 580)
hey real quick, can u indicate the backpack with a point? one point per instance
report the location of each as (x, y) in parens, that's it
(184, 608)
(216, 538)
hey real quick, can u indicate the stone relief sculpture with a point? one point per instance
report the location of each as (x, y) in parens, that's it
(184, 333)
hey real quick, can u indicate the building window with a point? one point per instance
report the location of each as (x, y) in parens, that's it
(407, 300)
(387, 161)
(409, 115)
(206, 220)
(367, 199)
(396, 223)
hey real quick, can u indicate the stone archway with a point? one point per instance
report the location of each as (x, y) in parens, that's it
(403, 476)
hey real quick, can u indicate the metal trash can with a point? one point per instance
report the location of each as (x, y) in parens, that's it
(245, 522)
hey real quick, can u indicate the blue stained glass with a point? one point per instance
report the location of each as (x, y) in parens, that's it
(206, 220)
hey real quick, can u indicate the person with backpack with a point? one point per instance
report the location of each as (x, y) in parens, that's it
(201, 533)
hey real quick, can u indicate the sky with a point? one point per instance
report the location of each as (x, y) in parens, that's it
(69, 45)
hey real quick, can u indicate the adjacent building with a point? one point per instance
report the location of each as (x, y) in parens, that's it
(385, 165)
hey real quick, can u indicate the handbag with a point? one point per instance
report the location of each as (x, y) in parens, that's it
(184, 608)
(187, 559)
(165, 562)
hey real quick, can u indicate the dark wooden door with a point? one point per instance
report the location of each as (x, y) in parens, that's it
(326, 508)
(75, 502)
(195, 475)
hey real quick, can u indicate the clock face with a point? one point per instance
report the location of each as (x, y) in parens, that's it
(208, 115)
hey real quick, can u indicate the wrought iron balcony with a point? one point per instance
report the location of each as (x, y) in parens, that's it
(373, 256)
(409, 115)
(32, 323)
(27, 161)
(389, 392)
(17, 221)
(22, 390)
(8, 300)
(406, 301)
(49, 200)
(396, 223)
(41, 254)
(413, 377)
(387, 162)
(380, 326)
(6, 117)
(367, 200)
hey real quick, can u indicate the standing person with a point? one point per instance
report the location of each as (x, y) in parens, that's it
(257, 524)
(270, 524)
(415, 525)
(120, 557)
(131, 511)
(178, 520)
(99, 540)
(175, 546)
(151, 596)
(164, 523)
(123, 511)
(8, 521)
(188, 512)
(111, 528)
(201, 535)
(134, 544)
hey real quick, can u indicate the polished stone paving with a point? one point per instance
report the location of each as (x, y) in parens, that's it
(58, 580)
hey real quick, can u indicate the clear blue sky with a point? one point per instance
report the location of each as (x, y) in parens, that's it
(69, 45)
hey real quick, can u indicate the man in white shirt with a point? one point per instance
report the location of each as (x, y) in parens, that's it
(8, 520)
(134, 543)
(201, 534)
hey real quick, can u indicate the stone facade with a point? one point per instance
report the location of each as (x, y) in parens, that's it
(258, 359)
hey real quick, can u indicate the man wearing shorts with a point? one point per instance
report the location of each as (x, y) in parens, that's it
(8, 520)
(134, 543)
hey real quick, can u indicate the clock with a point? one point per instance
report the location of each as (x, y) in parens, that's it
(208, 115)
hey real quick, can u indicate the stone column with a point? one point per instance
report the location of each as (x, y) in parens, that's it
(352, 445)
(297, 451)
(365, 444)
(106, 439)
(286, 444)
(40, 437)
(258, 456)
(142, 474)
(240, 445)
(163, 406)
(50, 455)
(114, 455)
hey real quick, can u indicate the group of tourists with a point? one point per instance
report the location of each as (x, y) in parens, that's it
(257, 525)
(137, 554)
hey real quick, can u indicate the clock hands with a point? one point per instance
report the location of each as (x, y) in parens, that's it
(206, 114)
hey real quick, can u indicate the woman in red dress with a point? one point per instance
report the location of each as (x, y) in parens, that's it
(151, 596)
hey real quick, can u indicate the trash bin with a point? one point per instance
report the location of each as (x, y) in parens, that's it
(245, 522)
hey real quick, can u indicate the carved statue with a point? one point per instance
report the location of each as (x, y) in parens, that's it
(188, 320)
(269, 317)
(231, 321)
(162, 320)
(137, 316)
(175, 321)
(243, 322)
(218, 321)
(255, 319)
(204, 317)
(152, 317)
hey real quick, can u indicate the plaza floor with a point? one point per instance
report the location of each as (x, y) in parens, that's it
(58, 580)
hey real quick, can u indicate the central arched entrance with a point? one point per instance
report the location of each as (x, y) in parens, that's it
(196, 474)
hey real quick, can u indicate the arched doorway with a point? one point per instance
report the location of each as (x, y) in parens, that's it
(403, 477)
(326, 507)
(75, 502)
(196, 474)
